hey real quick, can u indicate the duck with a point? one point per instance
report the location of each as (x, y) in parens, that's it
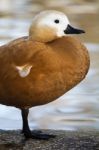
(39, 68)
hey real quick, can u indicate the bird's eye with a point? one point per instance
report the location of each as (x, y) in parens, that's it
(56, 21)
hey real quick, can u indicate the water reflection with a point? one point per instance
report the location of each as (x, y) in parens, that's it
(79, 108)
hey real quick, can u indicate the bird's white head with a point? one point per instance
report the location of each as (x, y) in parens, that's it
(50, 25)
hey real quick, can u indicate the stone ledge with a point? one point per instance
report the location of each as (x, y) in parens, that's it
(64, 140)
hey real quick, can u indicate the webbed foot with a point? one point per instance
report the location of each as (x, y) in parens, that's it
(38, 135)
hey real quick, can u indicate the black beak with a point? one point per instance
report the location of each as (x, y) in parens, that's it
(71, 30)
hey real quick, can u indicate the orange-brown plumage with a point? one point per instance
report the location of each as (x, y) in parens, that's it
(41, 67)
(57, 66)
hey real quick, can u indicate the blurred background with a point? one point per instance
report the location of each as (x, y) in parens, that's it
(79, 108)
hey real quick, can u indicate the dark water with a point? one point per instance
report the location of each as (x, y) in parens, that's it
(79, 108)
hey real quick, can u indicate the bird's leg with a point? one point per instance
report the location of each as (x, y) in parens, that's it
(24, 113)
(26, 130)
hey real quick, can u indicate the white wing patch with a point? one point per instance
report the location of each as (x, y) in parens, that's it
(24, 70)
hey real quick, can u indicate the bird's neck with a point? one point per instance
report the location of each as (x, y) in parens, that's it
(43, 34)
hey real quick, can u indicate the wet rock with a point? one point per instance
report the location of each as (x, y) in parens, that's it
(64, 140)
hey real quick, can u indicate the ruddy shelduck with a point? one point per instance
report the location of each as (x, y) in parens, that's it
(39, 68)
